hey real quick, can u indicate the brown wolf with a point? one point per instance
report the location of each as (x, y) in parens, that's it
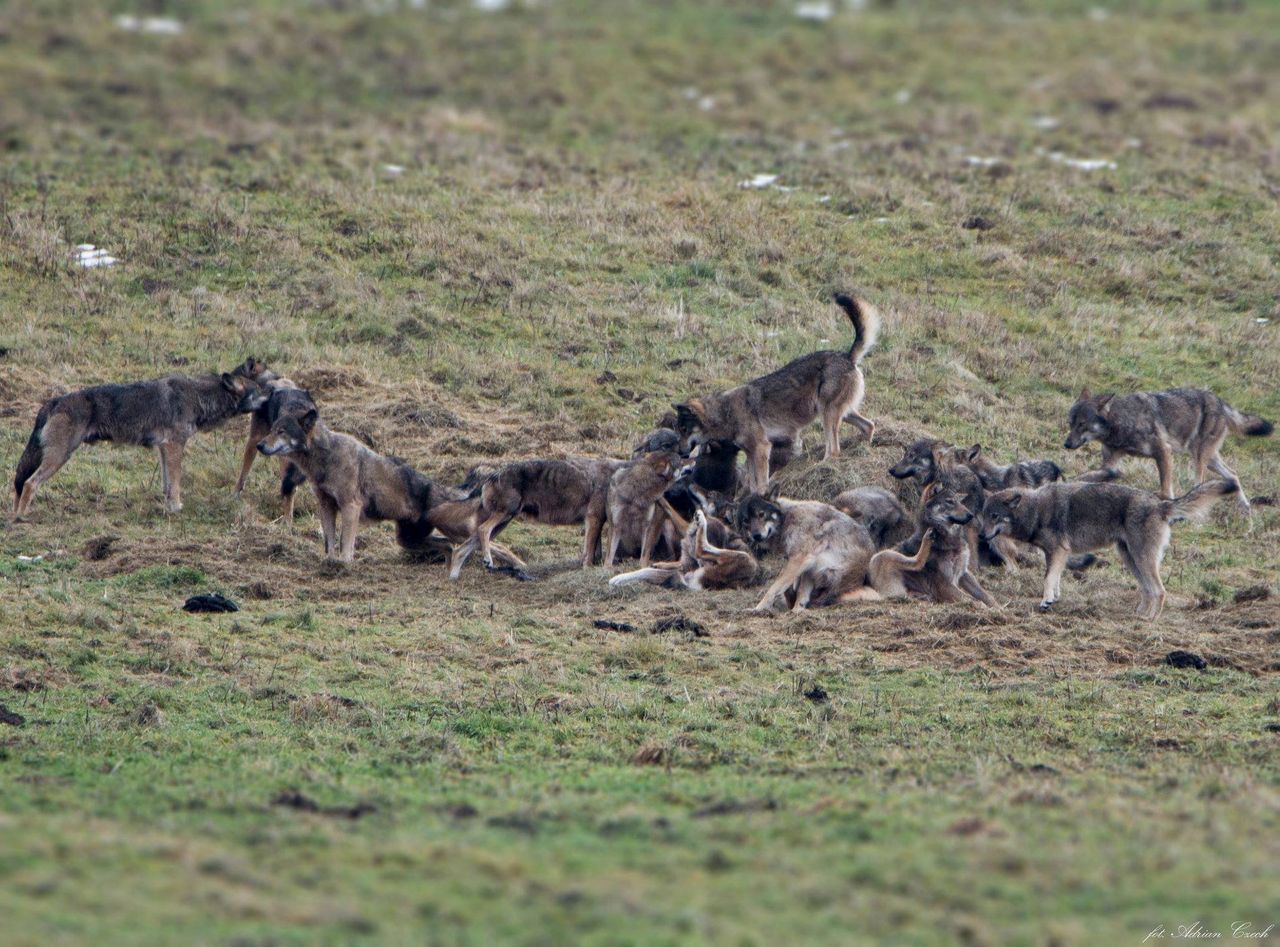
(773, 409)
(878, 510)
(711, 557)
(1062, 518)
(635, 522)
(352, 482)
(286, 399)
(826, 552)
(1156, 424)
(934, 563)
(555, 492)
(162, 413)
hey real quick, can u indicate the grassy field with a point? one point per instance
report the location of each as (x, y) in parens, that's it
(480, 235)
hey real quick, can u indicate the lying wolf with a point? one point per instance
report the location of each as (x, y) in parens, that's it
(1155, 425)
(879, 511)
(711, 557)
(1066, 518)
(351, 482)
(772, 410)
(163, 413)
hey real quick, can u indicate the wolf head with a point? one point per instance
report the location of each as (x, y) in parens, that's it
(691, 425)
(289, 435)
(251, 393)
(1087, 421)
(760, 517)
(999, 512)
(661, 439)
(944, 508)
(918, 461)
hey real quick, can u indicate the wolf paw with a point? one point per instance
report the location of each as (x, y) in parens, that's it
(1046, 605)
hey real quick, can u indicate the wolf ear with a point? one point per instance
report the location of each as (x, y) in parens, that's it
(974, 452)
(1013, 501)
(1084, 394)
(1103, 401)
(928, 492)
(308, 420)
(230, 382)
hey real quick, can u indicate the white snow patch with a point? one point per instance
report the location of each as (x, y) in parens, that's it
(978, 161)
(758, 181)
(155, 25)
(707, 103)
(1082, 164)
(1262, 320)
(31, 558)
(824, 199)
(393, 169)
(903, 96)
(89, 256)
(1046, 123)
(817, 10)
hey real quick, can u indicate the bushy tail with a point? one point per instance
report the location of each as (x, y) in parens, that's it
(866, 324)
(1248, 424)
(32, 455)
(1198, 501)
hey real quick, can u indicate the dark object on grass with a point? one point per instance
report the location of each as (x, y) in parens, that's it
(9, 717)
(1185, 659)
(210, 603)
(978, 222)
(292, 799)
(1272, 728)
(736, 807)
(680, 623)
(518, 574)
(817, 693)
(1254, 593)
(608, 624)
(97, 549)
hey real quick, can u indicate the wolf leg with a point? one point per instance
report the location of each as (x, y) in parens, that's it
(1164, 465)
(173, 489)
(1055, 563)
(791, 571)
(1220, 467)
(328, 511)
(350, 526)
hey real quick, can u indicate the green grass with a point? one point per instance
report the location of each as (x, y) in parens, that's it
(568, 208)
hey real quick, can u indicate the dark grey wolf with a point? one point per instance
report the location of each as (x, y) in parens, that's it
(635, 521)
(352, 482)
(879, 511)
(929, 460)
(1155, 424)
(162, 413)
(1062, 518)
(826, 552)
(1021, 473)
(554, 492)
(712, 556)
(934, 563)
(772, 410)
(286, 399)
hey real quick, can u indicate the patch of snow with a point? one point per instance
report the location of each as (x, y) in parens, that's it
(707, 103)
(758, 181)
(978, 161)
(817, 10)
(155, 25)
(1045, 123)
(824, 199)
(903, 96)
(490, 6)
(1082, 164)
(881, 220)
(393, 169)
(89, 256)
(31, 558)
(1261, 320)
(784, 189)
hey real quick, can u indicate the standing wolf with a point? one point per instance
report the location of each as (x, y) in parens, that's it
(1155, 424)
(1062, 518)
(162, 413)
(765, 414)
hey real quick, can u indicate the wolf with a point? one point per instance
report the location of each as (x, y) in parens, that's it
(929, 460)
(934, 563)
(286, 398)
(711, 557)
(1022, 473)
(351, 482)
(454, 513)
(878, 510)
(773, 409)
(1062, 518)
(555, 492)
(162, 413)
(632, 511)
(1155, 425)
(826, 552)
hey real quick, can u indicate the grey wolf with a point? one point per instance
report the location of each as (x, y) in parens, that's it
(1155, 424)
(1021, 473)
(772, 410)
(632, 504)
(930, 460)
(712, 556)
(878, 510)
(826, 552)
(286, 399)
(1062, 518)
(554, 492)
(934, 563)
(351, 482)
(162, 413)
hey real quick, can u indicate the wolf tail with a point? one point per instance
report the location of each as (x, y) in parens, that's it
(32, 455)
(866, 324)
(1248, 424)
(1197, 502)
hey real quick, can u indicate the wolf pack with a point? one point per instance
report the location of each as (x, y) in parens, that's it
(698, 503)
